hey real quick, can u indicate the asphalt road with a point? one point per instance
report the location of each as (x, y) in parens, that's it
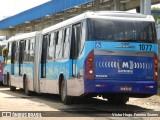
(46, 106)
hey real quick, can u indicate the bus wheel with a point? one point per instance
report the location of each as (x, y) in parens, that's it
(12, 88)
(64, 97)
(118, 99)
(26, 90)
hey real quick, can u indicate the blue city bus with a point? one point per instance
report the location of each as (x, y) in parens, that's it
(111, 54)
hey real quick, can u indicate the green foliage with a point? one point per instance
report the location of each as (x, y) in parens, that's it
(156, 17)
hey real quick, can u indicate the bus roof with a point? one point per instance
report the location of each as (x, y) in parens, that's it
(119, 15)
(22, 36)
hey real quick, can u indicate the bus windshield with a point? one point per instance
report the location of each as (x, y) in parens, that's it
(121, 30)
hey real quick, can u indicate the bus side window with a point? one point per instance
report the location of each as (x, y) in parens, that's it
(83, 36)
(26, 52)
(9, 50)
(56, 34)
(21, 51)
(66, 46)
(31, 50)
(76, 40)
(17, 52)
(51, 47)
(59, 45)
(13, 52)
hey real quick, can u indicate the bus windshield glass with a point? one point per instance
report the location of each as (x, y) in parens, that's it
(121, 30)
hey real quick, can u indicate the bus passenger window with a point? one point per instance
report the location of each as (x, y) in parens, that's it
(31, 55)
(66, 35)
(21, 51)
(83, 36)
(51, 47)
(56, 37)
(9, 50)
(52, 39)
(26, 52)
(66, 46)
(17, 52)
(60, 36)
(59, 45)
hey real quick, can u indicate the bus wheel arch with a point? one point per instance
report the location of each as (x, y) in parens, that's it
(63, 91)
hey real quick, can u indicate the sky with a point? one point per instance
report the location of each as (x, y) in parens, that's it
(11, 7)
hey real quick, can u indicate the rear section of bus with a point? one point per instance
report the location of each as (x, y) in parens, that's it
(121, 71)
(123, 57)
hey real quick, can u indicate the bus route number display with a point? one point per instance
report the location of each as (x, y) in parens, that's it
(145, 47)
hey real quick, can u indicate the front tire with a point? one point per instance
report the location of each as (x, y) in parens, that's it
(64, 97)
(12, 88)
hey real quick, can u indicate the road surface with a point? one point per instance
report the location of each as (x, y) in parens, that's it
(50, 106)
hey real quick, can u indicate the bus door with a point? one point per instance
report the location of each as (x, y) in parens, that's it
(76, 48)
(44, 56)
(21, 56)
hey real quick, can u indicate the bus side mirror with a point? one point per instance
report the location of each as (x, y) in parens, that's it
(4, 52)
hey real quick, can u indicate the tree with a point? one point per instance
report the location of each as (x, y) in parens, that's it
(156, 16)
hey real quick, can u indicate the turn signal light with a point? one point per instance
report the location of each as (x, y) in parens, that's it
(155, 67)
(89, 66)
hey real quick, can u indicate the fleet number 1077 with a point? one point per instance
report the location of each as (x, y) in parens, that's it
(145, 47)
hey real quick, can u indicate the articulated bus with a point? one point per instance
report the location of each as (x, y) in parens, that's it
(112, 54)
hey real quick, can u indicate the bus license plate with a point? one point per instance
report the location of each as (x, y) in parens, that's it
(125, 88)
